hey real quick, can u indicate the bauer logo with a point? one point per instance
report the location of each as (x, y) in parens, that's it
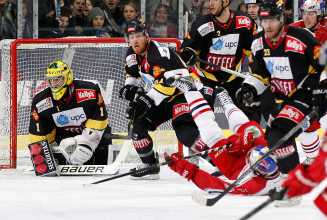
(69, 118)
(180, 109)
(291, 113)
(85, 94)
(243, 21)
(131, 60)
(225, 45)
(206, 28)
(294, 44)
(44, 105)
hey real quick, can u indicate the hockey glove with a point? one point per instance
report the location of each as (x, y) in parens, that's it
(141, 106)
(128, 92)
(319, 98)
(299, 182)
(321, 33)
(239, 142)
(181, 165)
(188, 55)
(248, 99)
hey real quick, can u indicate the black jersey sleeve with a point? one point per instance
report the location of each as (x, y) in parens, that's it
(131, 68)
(99, 119)
(40, 127)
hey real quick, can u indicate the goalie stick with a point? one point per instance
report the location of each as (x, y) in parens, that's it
(304, 124)
(218, 67)
(152, 167)
(111, 20)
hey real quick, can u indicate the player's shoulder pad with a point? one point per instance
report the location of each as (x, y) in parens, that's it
(257, 43)
(131, 57)
(301, 36)
(243, 20)
(162, 49)
(204, 25)
(86, 84)
(43, 100)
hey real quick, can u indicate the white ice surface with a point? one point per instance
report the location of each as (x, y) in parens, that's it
(24, 196)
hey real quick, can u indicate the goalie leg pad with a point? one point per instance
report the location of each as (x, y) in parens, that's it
(42, 158)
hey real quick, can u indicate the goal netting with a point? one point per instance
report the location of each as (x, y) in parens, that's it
(24, 63)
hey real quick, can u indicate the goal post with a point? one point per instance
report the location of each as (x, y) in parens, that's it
(23, 68)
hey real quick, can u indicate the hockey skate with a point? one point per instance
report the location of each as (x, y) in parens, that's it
(183, 83)
(216, 172)
(308, 161)
(195, 159)
(282, 200)
(223, 97)
(151, 174)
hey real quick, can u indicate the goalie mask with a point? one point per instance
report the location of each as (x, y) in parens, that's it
(59, 76)
(267, 167)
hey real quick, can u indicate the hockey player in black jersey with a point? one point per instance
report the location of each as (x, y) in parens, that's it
(220, 37)
(287, 59)
(70, 113)
(149, 60)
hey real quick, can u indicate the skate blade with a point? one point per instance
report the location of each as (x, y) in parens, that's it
(146, 177)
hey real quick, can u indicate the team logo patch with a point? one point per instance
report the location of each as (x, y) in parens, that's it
(316, 52)
(253, 129)
(294, 44)
(69, 118)
(44, 105)
(285, 151)
(264, 13)
(206, 28)
(157, 71)
(187, 35)
(243, 21)
(257, 45)
(146, 66)
(180, 109)
(100, 99)
(207, 90)
(35, 115)
(291, 113)
(85, 94)
(131, 60)
(226, 45)
(131, 29)
(224, 61)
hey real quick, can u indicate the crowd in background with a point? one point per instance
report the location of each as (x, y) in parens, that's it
(86, 17)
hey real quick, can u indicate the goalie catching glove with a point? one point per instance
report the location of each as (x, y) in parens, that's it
(79, 149)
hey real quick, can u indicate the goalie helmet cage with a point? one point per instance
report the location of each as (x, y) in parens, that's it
(24, 63)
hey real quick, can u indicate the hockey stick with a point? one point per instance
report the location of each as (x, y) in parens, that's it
(218, 67)
(267, 202)
(304, 124)
(152, 167)
(111, 20)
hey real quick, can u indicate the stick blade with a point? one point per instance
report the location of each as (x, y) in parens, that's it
(88, 186)
(113, 168)
(199, 198)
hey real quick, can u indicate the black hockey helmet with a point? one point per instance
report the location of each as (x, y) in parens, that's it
(271, 9)
(134, 26)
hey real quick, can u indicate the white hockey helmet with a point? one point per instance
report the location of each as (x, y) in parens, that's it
(313, 5)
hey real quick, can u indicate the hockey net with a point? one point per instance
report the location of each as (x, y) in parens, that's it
(24, 63)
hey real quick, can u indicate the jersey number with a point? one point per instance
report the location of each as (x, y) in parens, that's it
(101, 109)
(37, 127)
(266, 52)
(218, 33)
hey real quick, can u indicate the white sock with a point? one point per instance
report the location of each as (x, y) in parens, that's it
(310, 143)
(236, 118)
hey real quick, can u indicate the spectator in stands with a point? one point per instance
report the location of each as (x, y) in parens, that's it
(289, 12)
(8, 29)
(78, 18)
(116, 11)
(163, 26)
(96, 20)
(205, 8)
(26, 22)
(88, 7)
(64, 28)
(241, 7)
(130, 11)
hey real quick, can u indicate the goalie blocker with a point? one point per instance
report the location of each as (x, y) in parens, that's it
(42, 159)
